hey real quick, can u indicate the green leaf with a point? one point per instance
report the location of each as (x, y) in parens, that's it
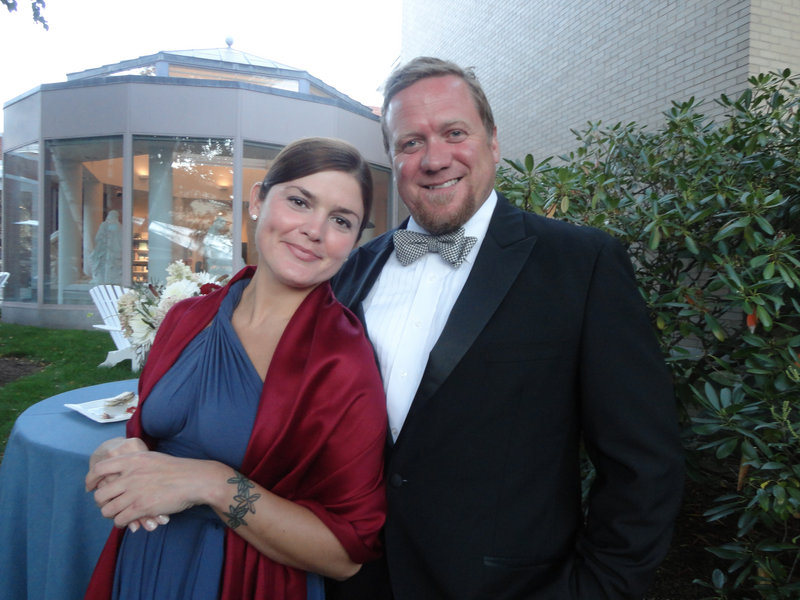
(764, 317)
(691, 245)
(514, 165)
(765, 225)
(736, 282)
(748, 450)
(772, 465)
(746, 522)
(724, 377)
(776, 547)
(754, 340)
(729, 551)
(711, 395)
(655, 238)
(726, 449)
(758, 261)
(732, 227)
(763, 500)
(706, 429)
(720, 513)
(715, 327)
(718, 578)
(788, 277)
(725, 397)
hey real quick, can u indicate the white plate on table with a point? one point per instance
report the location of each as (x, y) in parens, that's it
(98, 412)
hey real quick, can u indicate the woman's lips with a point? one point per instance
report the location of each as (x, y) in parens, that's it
(303, 253)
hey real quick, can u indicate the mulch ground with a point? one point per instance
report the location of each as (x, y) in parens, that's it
(12, 368)
(687, 559)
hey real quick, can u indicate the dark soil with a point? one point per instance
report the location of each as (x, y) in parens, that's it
(686, 561)
(688, 558)
(12, 367)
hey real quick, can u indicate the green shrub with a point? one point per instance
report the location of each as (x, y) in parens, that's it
(710, 212)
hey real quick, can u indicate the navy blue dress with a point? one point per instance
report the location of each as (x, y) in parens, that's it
(204, 408)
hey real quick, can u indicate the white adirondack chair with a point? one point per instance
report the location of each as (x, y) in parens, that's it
(3, 278)
(105, 299)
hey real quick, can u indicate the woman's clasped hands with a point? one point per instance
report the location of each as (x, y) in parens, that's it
(131, 483)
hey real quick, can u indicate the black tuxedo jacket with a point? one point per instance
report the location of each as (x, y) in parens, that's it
(548, 346)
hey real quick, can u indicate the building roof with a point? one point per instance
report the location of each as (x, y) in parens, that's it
(222, 58)
(233, 56)
(226, 64)
(218, 67)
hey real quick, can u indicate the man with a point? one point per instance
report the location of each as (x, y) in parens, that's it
(498, 367)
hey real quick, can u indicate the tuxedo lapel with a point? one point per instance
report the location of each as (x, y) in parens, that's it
(504, 251)
(502, 255)
(356, 278)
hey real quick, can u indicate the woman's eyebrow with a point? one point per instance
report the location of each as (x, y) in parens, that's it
(302, 190)
(346, 211)
(310, 196)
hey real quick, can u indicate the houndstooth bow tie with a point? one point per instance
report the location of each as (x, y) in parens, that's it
(453, 247)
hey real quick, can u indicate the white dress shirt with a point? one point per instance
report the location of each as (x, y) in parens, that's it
(406, 311)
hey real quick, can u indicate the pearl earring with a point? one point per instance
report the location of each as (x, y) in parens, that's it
(254, 217)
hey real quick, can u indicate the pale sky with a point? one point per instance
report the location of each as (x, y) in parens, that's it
(349, 44)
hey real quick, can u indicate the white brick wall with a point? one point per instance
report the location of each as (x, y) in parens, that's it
(549, 66)
(774, 35)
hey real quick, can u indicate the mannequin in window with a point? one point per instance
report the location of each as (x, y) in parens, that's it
(106, 258)
(218, 248)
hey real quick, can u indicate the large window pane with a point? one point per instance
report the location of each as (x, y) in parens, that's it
(20, 223)
(182, 205)
(257, 160)
(82, 221)
(381, 182)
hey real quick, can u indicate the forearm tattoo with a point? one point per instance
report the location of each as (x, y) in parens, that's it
(244, 499)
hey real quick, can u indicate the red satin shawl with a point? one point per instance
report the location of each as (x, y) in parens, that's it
(318, 436)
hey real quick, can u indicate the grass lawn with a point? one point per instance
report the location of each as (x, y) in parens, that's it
(69, 357)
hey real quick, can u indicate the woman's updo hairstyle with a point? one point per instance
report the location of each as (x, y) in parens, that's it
(313, 155)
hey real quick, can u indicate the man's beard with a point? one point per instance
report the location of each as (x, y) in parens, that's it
(431, 222)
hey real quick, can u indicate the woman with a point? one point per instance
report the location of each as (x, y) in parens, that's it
(255, 457)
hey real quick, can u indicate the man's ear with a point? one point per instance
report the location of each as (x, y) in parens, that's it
(495, 146)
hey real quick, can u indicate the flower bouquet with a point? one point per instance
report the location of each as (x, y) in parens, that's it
(142, 309)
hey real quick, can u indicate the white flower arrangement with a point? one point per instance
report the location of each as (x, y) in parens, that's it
(142, 309)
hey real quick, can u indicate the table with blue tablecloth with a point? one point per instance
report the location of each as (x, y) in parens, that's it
(51, 531)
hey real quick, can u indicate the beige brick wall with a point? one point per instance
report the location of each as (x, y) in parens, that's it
(774, 35)
(549, 66)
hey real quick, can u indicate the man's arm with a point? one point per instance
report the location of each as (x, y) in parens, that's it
(630, 429)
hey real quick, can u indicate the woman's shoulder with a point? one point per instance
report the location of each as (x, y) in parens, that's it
(182, 307)
(340, 319)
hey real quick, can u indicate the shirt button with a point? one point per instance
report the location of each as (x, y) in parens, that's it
(394, 432)
(396, 480)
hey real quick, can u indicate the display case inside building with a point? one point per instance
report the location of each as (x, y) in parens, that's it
(139, 271)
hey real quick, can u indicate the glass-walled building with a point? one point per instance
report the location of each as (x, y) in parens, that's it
(122, 170)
